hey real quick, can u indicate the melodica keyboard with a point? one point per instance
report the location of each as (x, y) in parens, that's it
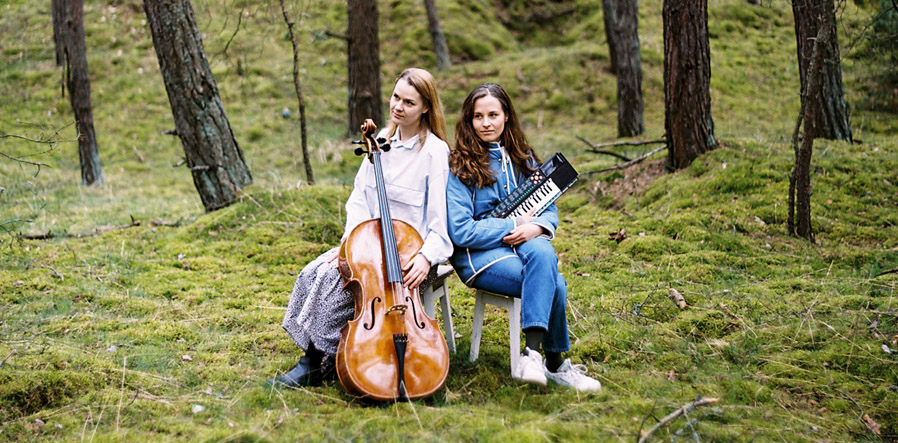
(539, 190)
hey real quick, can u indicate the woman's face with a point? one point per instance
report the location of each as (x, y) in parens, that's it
(406, 105)
(489, 118)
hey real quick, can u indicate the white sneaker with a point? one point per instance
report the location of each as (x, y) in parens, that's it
(574, 376)
(530, 368)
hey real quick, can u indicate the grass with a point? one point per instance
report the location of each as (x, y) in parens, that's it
(167, 330)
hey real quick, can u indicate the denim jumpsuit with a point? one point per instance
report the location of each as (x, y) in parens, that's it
(528, 270)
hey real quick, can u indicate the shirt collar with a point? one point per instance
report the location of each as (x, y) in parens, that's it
(408, 144)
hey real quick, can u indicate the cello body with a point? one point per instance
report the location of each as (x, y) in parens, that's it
(391, 350)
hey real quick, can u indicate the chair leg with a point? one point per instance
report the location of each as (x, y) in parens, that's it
(514, 332)
(477, 327)
(447, 319)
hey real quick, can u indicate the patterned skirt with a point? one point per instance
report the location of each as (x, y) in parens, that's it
(319, 306)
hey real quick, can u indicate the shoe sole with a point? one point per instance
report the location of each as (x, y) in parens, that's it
(572, 387)
(536, 381)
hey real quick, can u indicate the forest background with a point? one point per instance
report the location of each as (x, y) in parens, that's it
(168, 327)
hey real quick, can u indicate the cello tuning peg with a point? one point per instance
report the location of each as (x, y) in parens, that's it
(381, 140)
(357, 142)
(385, 147)
(360, 151)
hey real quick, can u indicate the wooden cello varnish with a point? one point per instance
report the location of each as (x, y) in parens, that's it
(391, 350)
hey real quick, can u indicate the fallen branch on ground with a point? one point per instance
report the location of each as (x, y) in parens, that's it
(673, 415)
(613, 144)
(596, 150)
(96, 231)
(887, 271)
(631, 162)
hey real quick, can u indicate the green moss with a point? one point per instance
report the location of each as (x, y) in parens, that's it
(186, 308)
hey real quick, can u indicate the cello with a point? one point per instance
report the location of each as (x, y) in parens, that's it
(391, 350)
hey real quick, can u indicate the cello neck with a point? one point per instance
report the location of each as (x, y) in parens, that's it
(391, 252)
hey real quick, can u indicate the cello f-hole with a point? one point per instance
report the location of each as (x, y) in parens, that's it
(414, 313)
(369, 326)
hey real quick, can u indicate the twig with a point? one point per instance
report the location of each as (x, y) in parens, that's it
(329, 33)
(631, 162)
(55, 272)
(239, 20)
(673, 415)
(615, 144)
(97, 231)
(887, 271)
(596, 150)
(27, 162)
(7, 357)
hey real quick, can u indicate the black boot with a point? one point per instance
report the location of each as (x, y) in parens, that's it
(308, 373)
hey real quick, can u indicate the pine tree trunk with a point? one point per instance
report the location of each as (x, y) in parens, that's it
(215, 159)
(687, 78)
(440, 49)
(832, 121)
(71, 52)
(622, 31)
(364, 64)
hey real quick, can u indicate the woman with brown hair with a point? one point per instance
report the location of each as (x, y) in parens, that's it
(512, 257)
(415, 171)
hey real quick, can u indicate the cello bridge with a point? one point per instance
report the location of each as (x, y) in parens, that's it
(399, 309)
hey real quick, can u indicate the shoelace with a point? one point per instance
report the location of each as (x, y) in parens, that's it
(578, 370)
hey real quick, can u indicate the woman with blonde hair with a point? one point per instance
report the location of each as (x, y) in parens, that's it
(415, 172)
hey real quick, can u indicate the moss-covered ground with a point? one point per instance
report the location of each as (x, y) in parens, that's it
(167, 330)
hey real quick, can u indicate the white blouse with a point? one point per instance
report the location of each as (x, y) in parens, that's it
(416, 187)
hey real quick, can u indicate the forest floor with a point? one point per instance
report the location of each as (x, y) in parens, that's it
(144, 318)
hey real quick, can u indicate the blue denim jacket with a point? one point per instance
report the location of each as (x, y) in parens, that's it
(477, 238)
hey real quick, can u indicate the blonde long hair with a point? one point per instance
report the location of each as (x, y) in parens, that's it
(434, 119)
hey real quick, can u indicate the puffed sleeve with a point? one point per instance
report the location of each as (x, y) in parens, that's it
(463, 229)
(437, 246)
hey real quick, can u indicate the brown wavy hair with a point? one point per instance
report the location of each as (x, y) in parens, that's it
(470, 160)
(434, 119)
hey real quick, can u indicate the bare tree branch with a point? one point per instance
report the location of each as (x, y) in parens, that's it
(631, 162)
(332, 34)
(887, 271)
(96, 231)
(613, 144)
(236, 30)
(602, 151)
(50, 141)
(673, 415)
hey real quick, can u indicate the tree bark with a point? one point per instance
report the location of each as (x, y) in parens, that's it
(310, 179)
(811, 103)
(71, 52)
(440, 49)
(215, 160)
(622, 31)
(831, 122)
(687, 78)
(364, 64)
